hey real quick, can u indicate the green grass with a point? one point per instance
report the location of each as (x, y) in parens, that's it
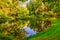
(52, 33)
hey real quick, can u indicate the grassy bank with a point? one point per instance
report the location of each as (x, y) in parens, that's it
(52, 33)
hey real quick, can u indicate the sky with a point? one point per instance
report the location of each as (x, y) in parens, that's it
(23, 4)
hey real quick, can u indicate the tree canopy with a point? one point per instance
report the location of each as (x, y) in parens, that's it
(36, 13)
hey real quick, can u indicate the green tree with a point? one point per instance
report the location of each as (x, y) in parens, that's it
(40, 10)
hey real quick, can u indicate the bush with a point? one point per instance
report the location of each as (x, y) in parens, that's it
(5, 37)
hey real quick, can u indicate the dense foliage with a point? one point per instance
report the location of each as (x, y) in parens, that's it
(36, 13)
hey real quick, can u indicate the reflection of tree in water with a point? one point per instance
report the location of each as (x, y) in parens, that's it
(37, 24)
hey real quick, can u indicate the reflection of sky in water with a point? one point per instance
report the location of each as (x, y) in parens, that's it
(29, 31)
